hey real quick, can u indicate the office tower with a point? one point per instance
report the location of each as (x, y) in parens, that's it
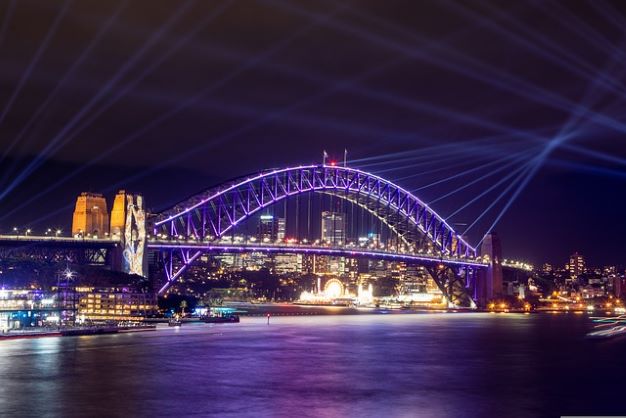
(333, 228)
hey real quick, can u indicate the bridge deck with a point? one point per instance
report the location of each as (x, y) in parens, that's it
(56, 242)
(216, 247)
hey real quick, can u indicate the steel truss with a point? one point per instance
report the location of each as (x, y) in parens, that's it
(456, 284)
(208, 216)
(75, 255)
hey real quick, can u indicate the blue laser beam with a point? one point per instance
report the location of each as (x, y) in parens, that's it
(60, 85)
(481, 178)
(128, 65)
(33, 62)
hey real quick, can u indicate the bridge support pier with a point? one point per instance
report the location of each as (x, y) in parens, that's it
(453, 286)
(489, 283)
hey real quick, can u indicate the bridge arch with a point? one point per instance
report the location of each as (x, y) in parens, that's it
(194, 225)
(215, 212)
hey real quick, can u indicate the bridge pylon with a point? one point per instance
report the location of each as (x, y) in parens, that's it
(489, 283)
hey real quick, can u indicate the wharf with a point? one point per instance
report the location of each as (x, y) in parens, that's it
(74, 331)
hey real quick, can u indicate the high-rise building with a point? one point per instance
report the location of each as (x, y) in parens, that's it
(270, 228)
(333, 228)
(576, 265)
(281, 228)
(618, 286)
(287, 263)
(91, 216)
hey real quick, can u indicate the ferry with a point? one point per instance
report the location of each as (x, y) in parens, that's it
(220, 315)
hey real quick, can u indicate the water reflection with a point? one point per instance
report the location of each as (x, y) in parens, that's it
(382, 365)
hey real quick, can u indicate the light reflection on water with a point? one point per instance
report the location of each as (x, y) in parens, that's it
(443, 365)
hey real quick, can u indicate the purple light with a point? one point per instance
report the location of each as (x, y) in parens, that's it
(312, 187)
(309, 250)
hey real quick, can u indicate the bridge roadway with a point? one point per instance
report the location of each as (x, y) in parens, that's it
(247, 246)
(348, 251)
(56, 242)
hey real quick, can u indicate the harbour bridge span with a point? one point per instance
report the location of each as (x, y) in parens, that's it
(416, 233)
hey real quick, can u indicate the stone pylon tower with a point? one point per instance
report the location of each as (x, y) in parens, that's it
(91, 216)
(489, 285)
(128, 225)
(118, 214)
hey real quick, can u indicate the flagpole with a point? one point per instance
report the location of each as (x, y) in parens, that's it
(345, 157)
(324, 157)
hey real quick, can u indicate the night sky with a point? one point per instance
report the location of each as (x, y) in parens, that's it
(168, 98)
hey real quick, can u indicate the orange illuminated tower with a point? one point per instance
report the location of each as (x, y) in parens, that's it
(91, 216)
(118, 214)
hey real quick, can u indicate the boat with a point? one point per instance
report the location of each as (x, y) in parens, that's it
(225, 319)
(608, 327)
(174, 322)
(220, 315)
(607, 333)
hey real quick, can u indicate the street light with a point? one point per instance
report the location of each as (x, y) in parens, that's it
(57, 233)
(27, 232)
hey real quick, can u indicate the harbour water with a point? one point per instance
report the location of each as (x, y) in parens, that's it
(395, 365)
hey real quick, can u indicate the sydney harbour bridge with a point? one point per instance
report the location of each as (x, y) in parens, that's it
(215, 220)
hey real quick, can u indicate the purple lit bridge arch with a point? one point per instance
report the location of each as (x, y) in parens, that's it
(197, 225)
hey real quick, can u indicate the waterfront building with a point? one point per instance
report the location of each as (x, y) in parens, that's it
(91, 216)
(592, 291)
(114, 304)
(24, 308)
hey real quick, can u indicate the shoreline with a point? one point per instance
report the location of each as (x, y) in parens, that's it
(76, 332)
